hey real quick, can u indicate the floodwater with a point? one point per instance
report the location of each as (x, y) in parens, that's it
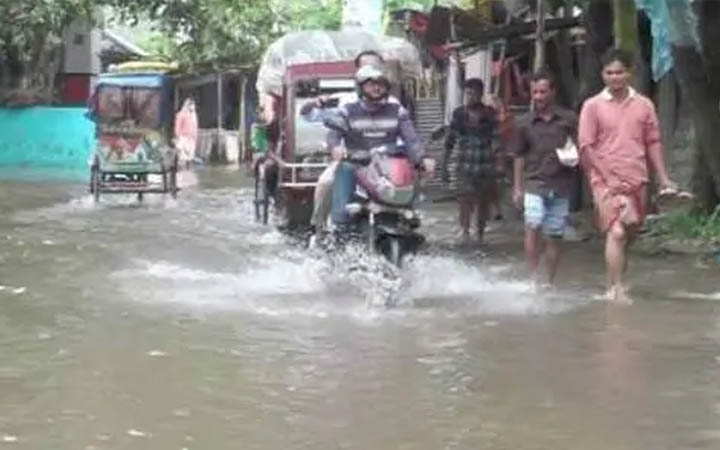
(184, 325)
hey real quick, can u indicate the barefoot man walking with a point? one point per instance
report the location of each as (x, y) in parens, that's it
(541, 180)
(619, 137)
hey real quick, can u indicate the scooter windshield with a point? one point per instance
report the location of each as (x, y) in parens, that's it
(390, 180)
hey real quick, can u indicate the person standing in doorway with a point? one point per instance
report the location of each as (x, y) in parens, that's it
(541, 178)
(186, 132)
(474, 128)
(619, 139)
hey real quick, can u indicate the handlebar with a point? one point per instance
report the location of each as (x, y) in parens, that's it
(362, 157)
(358, 157)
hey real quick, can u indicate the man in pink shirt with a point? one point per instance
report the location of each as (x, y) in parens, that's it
(618, 136)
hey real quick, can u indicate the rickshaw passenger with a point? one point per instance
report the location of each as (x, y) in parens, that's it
(261, 142)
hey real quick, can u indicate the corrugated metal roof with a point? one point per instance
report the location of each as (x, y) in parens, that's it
(123, 43)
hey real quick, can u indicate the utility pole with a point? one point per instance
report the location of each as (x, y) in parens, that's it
(540, 37)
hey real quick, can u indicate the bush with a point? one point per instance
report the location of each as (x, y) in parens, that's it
(692, 225)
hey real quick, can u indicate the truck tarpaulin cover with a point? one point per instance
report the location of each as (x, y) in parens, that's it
(327, 46)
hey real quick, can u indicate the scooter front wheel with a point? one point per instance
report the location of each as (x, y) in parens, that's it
(371, 240)
(393, 251)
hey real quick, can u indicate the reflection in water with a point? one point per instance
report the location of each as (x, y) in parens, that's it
(182, 324)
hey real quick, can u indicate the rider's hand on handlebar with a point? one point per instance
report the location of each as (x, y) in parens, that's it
(321, 100)
(338, 153)
(428, 165)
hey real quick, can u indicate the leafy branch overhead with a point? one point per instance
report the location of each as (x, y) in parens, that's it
(226, 32)
(192, 32)
(30, 38)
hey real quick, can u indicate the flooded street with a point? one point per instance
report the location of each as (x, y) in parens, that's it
(185, 325)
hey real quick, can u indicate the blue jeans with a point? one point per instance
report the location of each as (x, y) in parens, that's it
(342, 192)
(549, 211)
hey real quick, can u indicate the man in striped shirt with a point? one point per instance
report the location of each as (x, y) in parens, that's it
(372, 122)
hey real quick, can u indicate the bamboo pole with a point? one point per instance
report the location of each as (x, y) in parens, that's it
(540, 37)
(220, 140)
(243, 118)
(219, 101)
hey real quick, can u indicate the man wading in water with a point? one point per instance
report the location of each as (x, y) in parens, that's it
(474, 128)
(542, 181)
(619, 135)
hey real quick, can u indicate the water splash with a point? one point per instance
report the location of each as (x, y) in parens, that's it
(695, 295)
(264, 275)
(350, 283)
(443, 282)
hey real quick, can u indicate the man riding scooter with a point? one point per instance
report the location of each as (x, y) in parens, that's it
(323, 191)
(371, 122)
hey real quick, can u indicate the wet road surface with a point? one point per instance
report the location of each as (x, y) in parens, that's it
(184, 325)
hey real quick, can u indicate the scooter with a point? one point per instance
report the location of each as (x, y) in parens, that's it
(383, 207)
(382, 210)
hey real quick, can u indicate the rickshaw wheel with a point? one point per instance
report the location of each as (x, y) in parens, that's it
(95, 181)
(173, 178)
(262, 202)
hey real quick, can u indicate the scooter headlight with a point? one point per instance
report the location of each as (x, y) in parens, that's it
(353, 208)
(374, 208)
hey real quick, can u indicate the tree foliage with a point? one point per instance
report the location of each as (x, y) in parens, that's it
(235, 32)
(30, 38)
(192, 32)
(392, 5)
(227, 32)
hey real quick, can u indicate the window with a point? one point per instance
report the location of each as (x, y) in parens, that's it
(145, 107)
(142, 105)
(111, 103)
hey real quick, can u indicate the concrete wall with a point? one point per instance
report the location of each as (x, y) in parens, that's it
(82, 48)
(45, 137)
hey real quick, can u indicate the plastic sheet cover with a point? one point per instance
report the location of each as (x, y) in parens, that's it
(671, 23)
(328, 46)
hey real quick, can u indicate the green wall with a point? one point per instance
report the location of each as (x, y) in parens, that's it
(45, 137)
